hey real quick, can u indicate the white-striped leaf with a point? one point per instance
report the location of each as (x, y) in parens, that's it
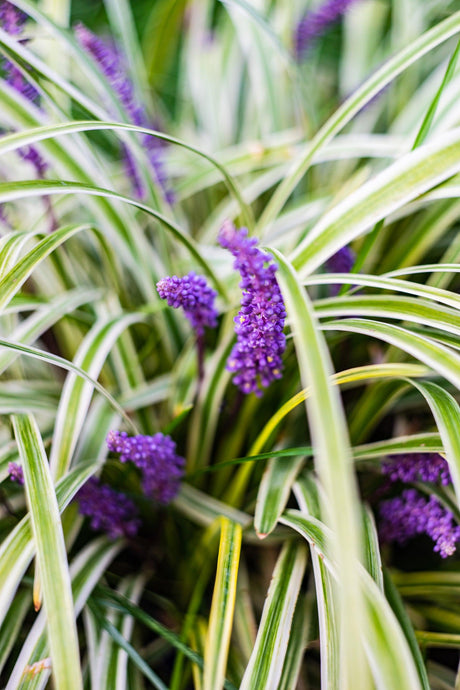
(332, 461)
(440, 358)
(51, 555)
(222, 606)
(17, 549)
(388, 652)
(265, 666)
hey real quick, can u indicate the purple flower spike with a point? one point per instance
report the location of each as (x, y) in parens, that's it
(256, 356)
(110, 511)
(110, 61)
(315, 23)
(414, 467)
(112, 65)
(194, 295)
(412, 514)
(157, 459)
(16, 473)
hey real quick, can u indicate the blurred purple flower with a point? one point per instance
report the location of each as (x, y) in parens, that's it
(30, 154)
(16, 473)
(110, 511)
(414, 467)
(157, 459)
(15, 78)
(11, 18)
(412, 514)
(340, 262)
(112, 65)
(194, 295)
(313, 24)
(256, 356)
(12, 21)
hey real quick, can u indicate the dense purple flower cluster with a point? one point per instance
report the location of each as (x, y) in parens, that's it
(194, 295)
(315, 23)
(414, 467)
(112, 65)
(412, 514)
(16, 472)
(256, 356)
(110, 511)
(157, 459)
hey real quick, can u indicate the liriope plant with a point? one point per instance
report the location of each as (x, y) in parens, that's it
(229, 335)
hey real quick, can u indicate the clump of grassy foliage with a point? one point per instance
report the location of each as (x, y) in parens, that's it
(265, 570)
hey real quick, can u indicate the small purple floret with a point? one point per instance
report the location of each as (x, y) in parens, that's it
(412, 514)
(415, 467)
(113, 66)
(256, 358)
(156, 457)
(110, 511)
(194, 295)
(316, 22)
(16, 473)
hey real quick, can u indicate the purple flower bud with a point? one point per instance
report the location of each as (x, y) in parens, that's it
(110, 511)
(16, 473)
(194, 295)
(412, 514)
(112, 65)
(316, 22)
(156, 457)
(414, 467)
(256, 356)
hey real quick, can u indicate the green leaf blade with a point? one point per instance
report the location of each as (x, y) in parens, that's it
(51, 555)
(222, 607)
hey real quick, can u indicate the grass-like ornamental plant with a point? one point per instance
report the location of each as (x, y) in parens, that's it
(229, 345)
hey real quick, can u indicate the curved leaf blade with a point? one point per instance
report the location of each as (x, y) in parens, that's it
(332, 461)
(401, 182)
(438, 357)
(386, 646)
(51, 555)
(389, 71)
(265, 666)
(222, 607)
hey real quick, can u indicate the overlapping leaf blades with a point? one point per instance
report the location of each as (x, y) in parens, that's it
(59, 307)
